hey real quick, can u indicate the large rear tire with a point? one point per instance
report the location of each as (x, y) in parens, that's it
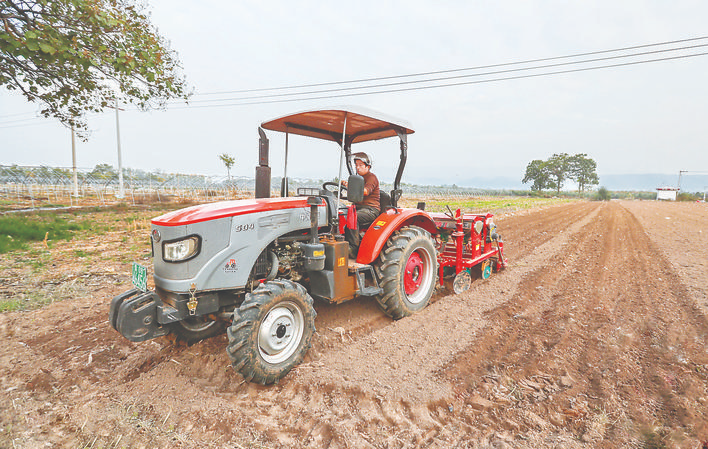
(407, 268)
(271, 331)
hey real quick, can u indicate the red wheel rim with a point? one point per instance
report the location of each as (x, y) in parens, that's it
(413, 276)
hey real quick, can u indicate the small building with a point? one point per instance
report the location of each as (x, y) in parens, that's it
(666, 193)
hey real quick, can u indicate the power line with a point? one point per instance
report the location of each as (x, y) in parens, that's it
(437, 72)
(19, 120)
(39, 122)
(308, 95)
(18, 114)
(416, 88)
(428, 80)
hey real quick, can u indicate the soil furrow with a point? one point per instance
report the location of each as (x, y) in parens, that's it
(404, 356)
(593, 337)
(598, 343)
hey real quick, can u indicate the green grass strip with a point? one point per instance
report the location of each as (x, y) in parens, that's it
(16, 231)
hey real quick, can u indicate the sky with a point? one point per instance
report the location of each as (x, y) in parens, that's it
(642, 118)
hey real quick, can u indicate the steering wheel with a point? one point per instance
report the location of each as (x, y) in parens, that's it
(336, 188)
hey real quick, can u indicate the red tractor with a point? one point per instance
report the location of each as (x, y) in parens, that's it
(252, 267)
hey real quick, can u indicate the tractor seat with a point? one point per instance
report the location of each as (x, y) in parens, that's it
(385, 200)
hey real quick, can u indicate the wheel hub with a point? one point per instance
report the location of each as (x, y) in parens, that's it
(280, 333)
(412, 277)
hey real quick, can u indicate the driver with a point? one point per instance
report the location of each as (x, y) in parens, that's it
(369, 208)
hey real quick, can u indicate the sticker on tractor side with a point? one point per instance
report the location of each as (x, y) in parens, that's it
(380, 223)
(305, 215)
(341, 261)
(139, 277)
(231, 266)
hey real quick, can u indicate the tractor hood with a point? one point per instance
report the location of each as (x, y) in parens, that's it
(362, 125)
(213, 211)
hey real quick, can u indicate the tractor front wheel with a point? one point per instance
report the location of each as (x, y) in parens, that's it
(407, 268)
(271, 331)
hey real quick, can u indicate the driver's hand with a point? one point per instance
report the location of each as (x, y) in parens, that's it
(344, 183)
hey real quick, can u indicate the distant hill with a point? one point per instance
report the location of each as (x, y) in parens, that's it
(478, 182)
(644, 182)
(689, 183)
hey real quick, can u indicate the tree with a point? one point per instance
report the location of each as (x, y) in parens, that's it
(603, 194)
(80, 56)
(229, 161)
(104, 171)
(537, 172)
(583, 171)
(554, 172)
(558, 167)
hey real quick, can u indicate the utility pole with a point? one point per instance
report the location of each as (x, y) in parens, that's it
(121, 191)
(73, 162)
(679, 181)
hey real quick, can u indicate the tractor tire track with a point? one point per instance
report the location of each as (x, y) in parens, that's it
(404, 356)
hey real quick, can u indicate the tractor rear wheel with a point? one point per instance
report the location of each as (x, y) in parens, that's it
(407, 268)
(195, 329)
(271, 331)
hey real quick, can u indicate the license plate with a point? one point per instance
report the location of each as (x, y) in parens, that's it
(140, 277)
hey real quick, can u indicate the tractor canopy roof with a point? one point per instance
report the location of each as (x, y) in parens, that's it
(362, 125)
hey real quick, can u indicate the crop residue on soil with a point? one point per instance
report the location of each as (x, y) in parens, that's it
(595, 336)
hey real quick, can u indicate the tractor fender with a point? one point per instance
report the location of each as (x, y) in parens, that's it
(385, 225)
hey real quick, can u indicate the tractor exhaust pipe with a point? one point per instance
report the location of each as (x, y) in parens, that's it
(263, 169)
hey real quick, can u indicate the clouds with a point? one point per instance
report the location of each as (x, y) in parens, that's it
(627, 119)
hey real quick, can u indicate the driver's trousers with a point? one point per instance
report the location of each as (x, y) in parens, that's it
(365, 215)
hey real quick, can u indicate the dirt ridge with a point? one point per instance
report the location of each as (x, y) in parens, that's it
(403, 358)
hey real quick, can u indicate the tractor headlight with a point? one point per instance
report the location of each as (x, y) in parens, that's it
(182, 249)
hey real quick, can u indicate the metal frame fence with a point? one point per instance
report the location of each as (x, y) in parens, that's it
(42, 186)
(38, 186)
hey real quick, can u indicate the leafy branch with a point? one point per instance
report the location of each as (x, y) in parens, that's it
(80, 56)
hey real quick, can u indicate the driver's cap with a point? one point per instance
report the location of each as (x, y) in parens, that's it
(363, 157)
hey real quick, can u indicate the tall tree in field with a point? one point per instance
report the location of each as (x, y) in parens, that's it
(558, 167)
(80, 56)
(536, 171)
(583, 171)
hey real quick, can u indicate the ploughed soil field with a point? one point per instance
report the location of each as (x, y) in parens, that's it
(594, 336)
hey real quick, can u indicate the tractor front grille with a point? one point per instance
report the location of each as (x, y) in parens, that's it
(262, 266)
